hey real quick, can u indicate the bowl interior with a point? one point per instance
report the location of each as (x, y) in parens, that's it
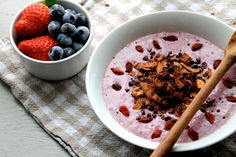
(66, 5)
(203, 26)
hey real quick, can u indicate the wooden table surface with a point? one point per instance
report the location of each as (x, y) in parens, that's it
(20, 135)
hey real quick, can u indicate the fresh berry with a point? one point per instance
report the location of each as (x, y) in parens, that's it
(77, 46)
(55, 53)
(54, 28)
(68, 52)
(38, 47)
(68, 18)
(68, 29)
(64, 40)
(81, 34)
(57, 11)
(33, 20)
(71, 11)
(80, 20)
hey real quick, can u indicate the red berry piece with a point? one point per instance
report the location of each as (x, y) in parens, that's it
(156, 134)
(197, 46)
(193, 134)
(169, 124)
(139, 48)
(227, 82)
(156, 44)
(210, 117)
(231, 98)
(216, 63)
(117, 71)
(124, 110)
(170, 38)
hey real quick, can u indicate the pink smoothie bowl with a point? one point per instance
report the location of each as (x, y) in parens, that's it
(166, 21)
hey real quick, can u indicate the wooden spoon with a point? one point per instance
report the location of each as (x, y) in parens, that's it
(229, 59)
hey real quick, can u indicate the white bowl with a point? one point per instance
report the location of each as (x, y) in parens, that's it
(203, 26)
(61, 69)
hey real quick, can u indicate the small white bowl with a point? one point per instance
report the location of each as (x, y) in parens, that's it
(166, 21)
(61, 69)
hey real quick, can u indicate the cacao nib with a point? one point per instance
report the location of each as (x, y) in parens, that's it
(116, 86)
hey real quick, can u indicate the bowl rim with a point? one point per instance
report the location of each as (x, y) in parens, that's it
(179, 147)
(90, 25)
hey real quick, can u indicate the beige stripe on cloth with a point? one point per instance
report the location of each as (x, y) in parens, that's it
(62, 108)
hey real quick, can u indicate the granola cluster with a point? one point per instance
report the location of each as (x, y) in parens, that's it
(167, 83)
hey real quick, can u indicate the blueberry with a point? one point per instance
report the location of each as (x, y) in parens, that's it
(80, 20)
(68, 29)
(57, 11)
(68, 18)
(64, 40)
(81, 34)
(55, 53)
(71, 11)
(54, 28)
(68, 52)
(77, 46)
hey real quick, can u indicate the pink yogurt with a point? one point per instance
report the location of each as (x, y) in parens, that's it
(222, 110)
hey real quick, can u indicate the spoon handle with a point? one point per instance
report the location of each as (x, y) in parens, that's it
(166, 145)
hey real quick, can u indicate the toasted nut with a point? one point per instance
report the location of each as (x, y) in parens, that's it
(149, 91)
(137, 92)
(140, 103)
(193, 70)
(200, 83)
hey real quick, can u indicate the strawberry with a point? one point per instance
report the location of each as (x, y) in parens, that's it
(33, 20)
(38, 47)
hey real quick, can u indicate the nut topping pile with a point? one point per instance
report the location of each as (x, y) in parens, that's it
(167, 83)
